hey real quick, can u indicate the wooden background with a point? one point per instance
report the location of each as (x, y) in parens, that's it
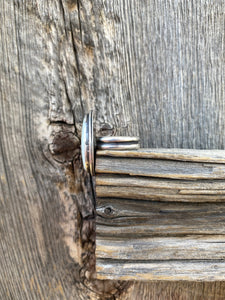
(153, 68)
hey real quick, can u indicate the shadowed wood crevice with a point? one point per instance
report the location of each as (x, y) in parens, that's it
(65, 148)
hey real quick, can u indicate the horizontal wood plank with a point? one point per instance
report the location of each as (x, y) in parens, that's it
(161, 248)
(160, 214)
(124, 218)
(160, 168)
(161, 270)
(160, 183)
(192, 155)
(152, 194)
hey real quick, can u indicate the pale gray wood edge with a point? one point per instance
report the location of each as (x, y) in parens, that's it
(195, 155)
(192, 247)
(161, 270)
(152, 194)
(159, 183)
(160, 168)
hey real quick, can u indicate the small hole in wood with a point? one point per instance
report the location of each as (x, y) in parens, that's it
(108, 210)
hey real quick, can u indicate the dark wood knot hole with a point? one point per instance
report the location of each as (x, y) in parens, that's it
(108, 210)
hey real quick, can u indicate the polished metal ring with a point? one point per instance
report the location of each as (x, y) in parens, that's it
(88, 143)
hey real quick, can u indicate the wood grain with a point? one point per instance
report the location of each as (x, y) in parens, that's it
(176, 290)
(194, 247)
(46, 202)
(151, 194)
(167, 80)
(162, 270)
(153, 69)
(160, 168)
(125, 218)
(192, 155)
(115, 180)
(160, 207)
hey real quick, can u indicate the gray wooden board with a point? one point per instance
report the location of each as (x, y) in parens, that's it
(160, 168)
(198, 186)
(195, 247)
(162, 270)
(160, 207)
(217, 156)
(151, 194)
(131, 218)
(148, 68)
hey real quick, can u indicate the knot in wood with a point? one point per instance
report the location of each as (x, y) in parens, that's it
(108, 210)
(64, 146)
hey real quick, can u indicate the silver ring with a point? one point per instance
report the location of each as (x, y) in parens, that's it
(87, 144)
(117, 139)
(118, 146)
(103, 143)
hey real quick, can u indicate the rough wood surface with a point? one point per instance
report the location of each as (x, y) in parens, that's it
(163, 168)
(131, 218)
(153, 69)
(47, 210)
(151, 194)
(160, 205)
(192, 155)
(161, 270)
(198, 247)
(177, 290)
(198, 186)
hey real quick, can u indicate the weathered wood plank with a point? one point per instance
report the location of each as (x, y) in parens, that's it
(176, 290)
(151, 194)
(193, 155)
(158, 183)
(162, 270)
(145, 163)
(131, 218)
(160, 168)
(192, 247)
(46, 252)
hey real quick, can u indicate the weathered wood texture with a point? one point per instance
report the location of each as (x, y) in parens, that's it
(177, 290)
(124, 218)
(47, 214)
(162, 270)
(149, 68)
(148, 174)
(159, 214)
(196, 247)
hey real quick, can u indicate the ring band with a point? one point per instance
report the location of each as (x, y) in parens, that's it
(117, 139)
(102, 143)
(118, 146)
